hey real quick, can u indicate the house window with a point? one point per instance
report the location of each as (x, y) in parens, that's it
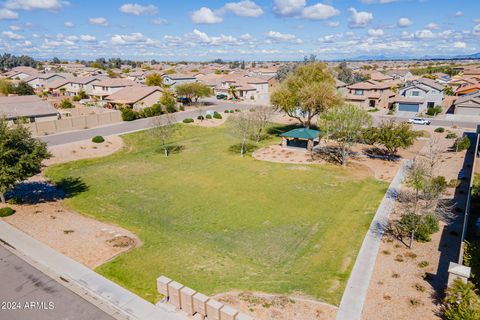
(415, 93)
(358, 92)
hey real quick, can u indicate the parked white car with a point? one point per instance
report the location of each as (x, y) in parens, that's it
(419, 121)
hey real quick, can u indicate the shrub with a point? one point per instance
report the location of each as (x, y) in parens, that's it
(7, 211)
(128, 114)
(76, 98)
(188, 120)
(451, 135)
(424, 226)
(181, 108)
(423, 264)
(98, 139)
(217, 115)
(471, 258)
(237, 110)
(66, 104)
(440, 130)
(434, 111)
(461, 302)
(208, 116)
(226, 111)
(200, 118)
(462, 144)
(171, 108)
(154, 110)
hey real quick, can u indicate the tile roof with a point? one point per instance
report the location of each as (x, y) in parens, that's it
(25, 106)
(132, 94)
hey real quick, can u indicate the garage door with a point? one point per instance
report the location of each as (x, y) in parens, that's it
(408, 107)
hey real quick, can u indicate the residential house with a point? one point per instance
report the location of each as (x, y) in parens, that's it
(401, 75)
(468, 105)
(212, 80)
(467, 89)
(137, 76)
(177, 78)
(341, 86)
(472, 72)
(137, 97)
(248, 88)
(20, 73)
(380, 77)
(30, 108)
(370, 94)
(106, 87)
(41, 79)
(78, 84)
(419, 95)
(269, 72)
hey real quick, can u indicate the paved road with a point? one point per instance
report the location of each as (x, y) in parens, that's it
(37, 296)
(131, 126)
(220, 106)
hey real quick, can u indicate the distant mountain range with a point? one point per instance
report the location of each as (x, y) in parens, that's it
(439, 57)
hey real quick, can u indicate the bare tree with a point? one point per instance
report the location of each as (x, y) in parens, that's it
(162, 128)
(260, 118)
(242, 125)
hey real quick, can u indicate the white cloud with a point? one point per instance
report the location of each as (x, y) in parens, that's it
(35, 4)
(205, 15)
(288, 8)
(136, 9)
(88, 38)
(7, 14)
(277, 36)
(424, 34)
(68, 24)
(460, 45)
(359, 19)
(160, 21)
(246, 37)
(375, 32)
(122, 39)
(319, 11)
(100, 21)
(406, 35)
(244, 8)
(333, 24)
(14, 27)
(299, 9)
(432, 26)
(12, 35)
(459, 14)
(476, 30)
(404, 22)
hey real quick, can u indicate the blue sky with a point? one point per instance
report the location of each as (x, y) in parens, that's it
(238, 29)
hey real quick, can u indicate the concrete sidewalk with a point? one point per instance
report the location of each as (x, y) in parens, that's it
(81, 278)
(353, 298)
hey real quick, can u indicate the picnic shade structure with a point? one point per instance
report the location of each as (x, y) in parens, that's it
(300, 137)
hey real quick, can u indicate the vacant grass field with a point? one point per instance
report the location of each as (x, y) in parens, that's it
(217, 222)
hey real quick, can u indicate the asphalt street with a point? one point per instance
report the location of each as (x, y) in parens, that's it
(26, 293)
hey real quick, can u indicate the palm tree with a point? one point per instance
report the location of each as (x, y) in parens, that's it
(232, 91)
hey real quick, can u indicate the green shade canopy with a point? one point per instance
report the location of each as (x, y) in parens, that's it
(301, 133)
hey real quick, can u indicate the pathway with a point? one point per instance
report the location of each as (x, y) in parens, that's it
(355, 293)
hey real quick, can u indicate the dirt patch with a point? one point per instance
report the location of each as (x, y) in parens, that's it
(277, 307)
(408, 282)
(83, 150)
(83, 239)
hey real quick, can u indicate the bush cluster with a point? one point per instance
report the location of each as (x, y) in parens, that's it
(128, 114)
(66, 104)
(434, 111)
(440, 130)
(461, 144)
(208, 116)
(98, 139)
(5, 212)
(461, 302)
(451, 135)
(424, 226)
(217, 115)
(188, 120)
(200, 118)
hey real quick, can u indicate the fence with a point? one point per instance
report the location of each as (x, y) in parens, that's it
(74, 123)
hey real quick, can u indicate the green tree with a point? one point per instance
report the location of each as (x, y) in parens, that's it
(21, 156)
(448, 91)
(82, 94)
(232, 91)
(6, 87)
(193, 90)
(168, 101)
(393, 136)
(305, 93)
(462, 302)
(24, 89)
(154, 79)
(345, 74)
(344, 124)
(66, 104)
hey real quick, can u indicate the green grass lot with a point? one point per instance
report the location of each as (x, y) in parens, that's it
(217, 222)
